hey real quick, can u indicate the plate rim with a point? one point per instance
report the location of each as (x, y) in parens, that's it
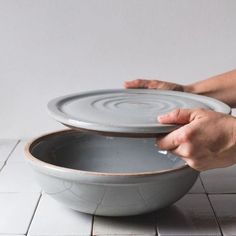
(54, 111)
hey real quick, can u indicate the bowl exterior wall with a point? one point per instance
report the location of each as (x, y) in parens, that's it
(121, 199)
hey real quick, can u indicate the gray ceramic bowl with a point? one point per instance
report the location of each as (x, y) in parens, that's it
(108, 176)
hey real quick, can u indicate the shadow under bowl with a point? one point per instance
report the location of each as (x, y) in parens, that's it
(109, 176)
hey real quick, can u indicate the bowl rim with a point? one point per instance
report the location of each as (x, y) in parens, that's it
(29, 157)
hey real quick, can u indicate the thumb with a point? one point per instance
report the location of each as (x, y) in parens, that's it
(177, 116)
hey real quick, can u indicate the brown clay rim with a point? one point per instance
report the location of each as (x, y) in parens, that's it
(31, 144)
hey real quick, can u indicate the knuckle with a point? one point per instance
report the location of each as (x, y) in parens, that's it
(200, 110)
(188, 151)
(174, 115)
(176, 112)
(167, 86)
(179, 140)
(152, 85)
(185, 136)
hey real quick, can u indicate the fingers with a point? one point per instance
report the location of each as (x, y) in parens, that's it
(185, 134)
(153, 84)
(179, 143)
(183, 150)
(138, 83)
(199, 143)
(148, 84)
(177, 116)
(176, 138)
(169, 141)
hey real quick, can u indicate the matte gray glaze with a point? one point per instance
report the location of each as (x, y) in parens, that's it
(108, 176)
(126, 111)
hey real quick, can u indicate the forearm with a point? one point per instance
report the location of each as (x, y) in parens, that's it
(222, 87)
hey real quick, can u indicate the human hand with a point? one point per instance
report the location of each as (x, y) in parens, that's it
(153, 84)
(206, 141)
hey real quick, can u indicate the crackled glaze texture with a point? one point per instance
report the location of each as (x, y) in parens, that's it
(108, 176)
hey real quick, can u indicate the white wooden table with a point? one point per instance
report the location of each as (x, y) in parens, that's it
(208, 209)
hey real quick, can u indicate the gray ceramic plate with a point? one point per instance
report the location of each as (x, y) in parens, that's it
(128, 112)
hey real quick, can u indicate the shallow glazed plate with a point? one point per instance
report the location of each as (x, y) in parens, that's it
(128, 112)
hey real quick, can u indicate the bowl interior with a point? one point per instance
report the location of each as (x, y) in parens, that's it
(89, 152)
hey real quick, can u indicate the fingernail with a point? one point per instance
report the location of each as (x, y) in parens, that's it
(159, 118)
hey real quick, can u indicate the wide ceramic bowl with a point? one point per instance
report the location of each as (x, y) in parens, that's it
(110, 176)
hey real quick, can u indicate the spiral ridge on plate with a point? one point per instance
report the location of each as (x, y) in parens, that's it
(136, 103)
(122, 110)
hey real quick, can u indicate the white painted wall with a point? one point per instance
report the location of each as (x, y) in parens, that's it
(53, 47)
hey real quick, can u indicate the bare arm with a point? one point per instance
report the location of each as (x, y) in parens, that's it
(222, 87)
